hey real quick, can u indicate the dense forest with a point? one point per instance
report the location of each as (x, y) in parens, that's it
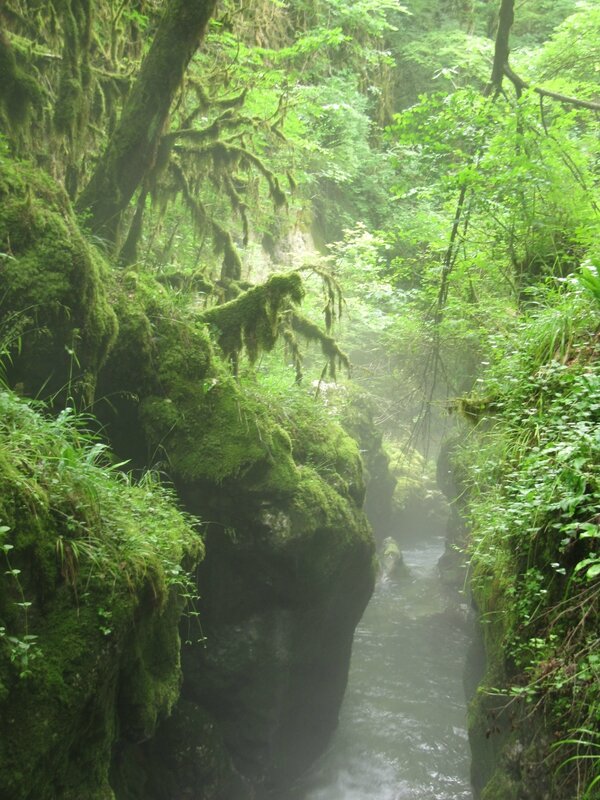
(273, 277)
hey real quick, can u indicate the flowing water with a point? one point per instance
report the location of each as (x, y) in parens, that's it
(402, 733)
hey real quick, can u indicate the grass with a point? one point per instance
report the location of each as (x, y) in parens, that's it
(106, 524)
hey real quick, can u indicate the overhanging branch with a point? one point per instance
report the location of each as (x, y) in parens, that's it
(520, 84)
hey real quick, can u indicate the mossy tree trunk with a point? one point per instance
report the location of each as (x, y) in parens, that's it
(506, 18)
(132, 149)
(71, 113)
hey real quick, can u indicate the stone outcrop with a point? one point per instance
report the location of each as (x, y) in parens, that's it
(289, 563)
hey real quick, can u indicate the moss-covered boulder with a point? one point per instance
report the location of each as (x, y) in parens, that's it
(288, 572)
(54, 301)
(289, 561)
(356, 412)
(91, 594)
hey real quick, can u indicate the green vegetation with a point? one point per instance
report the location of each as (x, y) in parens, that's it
(278, 263)
(54, 285)
(533, 500)
(95, 578)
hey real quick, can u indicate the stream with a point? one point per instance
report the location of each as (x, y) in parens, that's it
(402, 732)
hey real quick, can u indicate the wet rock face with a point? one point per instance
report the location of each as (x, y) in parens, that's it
(391, 561)
(282, 592)
(288, 571)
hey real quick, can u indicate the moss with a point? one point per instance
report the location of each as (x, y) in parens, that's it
(282, 594)
(131, 363)
(189, 752)
(19, 91)
(133, 147)
(211, 432)
(289, 562)
(252, 320)
(159, 344)
(325, 531)
(501, 787)
(55, 285)
(94, 656)
(336, 358)
(320, 442)
(70, 113)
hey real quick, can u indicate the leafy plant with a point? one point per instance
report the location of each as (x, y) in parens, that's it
(22, 649)
(588, 277)
(533, 492)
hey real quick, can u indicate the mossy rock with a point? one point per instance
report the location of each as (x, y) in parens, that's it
(356, 411)
(288, 572)
(321, 442)
(290, 558)
(90, 603)
(162, 359)
(213, 435)
(501, 787)
(189, 751)
(55, 300)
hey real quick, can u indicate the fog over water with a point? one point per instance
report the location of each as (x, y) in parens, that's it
(402, 732)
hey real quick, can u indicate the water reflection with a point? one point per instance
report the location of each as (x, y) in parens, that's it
(402, 729)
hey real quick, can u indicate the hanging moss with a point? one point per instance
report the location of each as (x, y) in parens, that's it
(191, 152)
(231, 268)
(133, 147)
(75, 91)
(253, 319)
(312, 333)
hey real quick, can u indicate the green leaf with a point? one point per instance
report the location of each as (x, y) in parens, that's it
(593, 571)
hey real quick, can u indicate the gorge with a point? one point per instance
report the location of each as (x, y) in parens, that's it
(299, 400)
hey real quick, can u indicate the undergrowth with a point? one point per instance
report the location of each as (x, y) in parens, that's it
(98, 526)
(533, 463)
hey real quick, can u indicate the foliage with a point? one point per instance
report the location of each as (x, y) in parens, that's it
(533, 496)
(106, 530)
(459, 230)
(95, 576)
(528, 209)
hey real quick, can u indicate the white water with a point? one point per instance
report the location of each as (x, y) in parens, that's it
(402, 729)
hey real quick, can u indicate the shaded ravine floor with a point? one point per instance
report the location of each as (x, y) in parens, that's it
(402, 732)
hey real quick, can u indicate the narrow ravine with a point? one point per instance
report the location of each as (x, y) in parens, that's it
(402, 732)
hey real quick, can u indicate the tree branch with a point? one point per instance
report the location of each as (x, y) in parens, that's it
(520, 84)
(133, 147)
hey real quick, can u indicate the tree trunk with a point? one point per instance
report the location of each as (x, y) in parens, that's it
(501, 50)
(131, 151)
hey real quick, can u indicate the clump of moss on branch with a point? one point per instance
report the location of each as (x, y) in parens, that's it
(253, 320)
(256, 319)
(312, 333)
